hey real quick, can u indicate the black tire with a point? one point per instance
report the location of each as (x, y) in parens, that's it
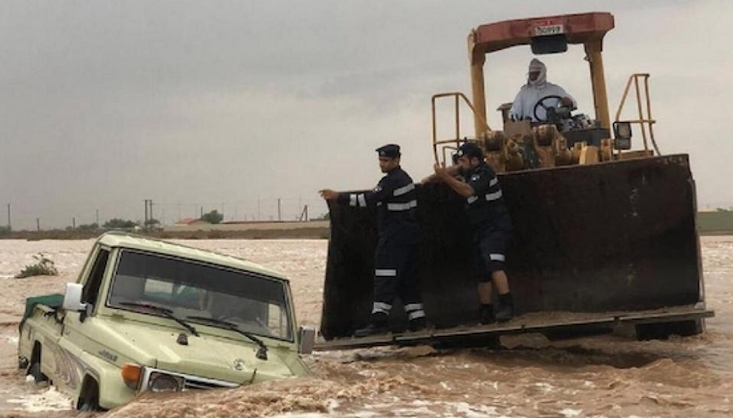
(35, 371)
(89, 399)
(663, 330)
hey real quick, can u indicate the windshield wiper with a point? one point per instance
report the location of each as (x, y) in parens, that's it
(165, 312)
(261, 353)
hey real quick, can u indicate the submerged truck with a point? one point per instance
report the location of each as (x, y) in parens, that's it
(148, 315)
(604, 233)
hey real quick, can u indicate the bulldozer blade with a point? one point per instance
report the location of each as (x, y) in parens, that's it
(617, 235)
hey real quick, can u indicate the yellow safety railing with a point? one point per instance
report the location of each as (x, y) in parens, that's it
(457, 140)
(645, 120)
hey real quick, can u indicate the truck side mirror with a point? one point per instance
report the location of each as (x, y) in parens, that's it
(307, 338)
(72, 298)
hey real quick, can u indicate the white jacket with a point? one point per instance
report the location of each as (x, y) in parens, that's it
(531, 93)
(528, 96)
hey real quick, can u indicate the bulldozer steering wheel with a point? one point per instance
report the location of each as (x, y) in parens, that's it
(540, 103)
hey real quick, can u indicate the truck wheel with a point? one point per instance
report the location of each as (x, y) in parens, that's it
(35, 367)
(663, 330)
(89, 399)
(35, 371)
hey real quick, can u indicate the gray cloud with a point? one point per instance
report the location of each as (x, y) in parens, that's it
(104, 104)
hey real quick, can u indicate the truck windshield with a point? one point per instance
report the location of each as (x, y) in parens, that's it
(255, 304)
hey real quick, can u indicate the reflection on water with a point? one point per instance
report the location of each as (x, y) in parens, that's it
(600, 376)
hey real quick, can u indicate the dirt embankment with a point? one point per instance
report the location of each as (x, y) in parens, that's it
(280, 232)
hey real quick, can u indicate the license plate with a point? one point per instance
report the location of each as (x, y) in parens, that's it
(548, 30)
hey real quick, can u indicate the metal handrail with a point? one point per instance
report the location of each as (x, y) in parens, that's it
(646, 122)
(457, 140)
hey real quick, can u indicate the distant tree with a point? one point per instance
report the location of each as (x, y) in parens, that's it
(213, 217)
(152, 223)
(722, 210)
(88, 227)
(4, 230)
(117, 223)
(323, 217)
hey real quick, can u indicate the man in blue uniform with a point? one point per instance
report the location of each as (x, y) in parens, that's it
(491, 226)
(397, 228)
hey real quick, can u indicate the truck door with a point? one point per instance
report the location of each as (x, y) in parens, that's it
(75, 339)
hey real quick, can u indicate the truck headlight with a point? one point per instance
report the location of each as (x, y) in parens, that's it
(161, 382)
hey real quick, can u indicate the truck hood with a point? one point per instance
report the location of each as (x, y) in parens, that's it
(217, 354)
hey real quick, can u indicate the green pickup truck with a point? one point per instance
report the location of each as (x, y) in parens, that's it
(148, 315)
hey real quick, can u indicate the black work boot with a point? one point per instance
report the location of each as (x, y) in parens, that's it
(486, 314)
(379, 325)
(506, 308)
(417, 324)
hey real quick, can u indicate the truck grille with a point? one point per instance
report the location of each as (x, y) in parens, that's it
(189, 382)
(196, 384)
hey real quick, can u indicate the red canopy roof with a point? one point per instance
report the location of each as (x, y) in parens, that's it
(578, 28)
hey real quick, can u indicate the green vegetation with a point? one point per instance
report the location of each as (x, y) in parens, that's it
(42, 267)
(4, 230)
(117, 223)
(88, 227)
(213, 217)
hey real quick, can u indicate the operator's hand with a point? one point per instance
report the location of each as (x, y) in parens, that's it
(328, 194)
(566, 101)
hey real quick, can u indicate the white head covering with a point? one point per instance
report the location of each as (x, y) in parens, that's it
(537, 65)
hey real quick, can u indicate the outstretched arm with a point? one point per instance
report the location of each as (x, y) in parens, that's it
(361, 199)
(452, 171)
(444, 174)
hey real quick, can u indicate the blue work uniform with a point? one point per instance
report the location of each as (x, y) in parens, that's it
(489, 220)
(397, 228)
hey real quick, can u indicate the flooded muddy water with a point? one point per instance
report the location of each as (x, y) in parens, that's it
(601, 376)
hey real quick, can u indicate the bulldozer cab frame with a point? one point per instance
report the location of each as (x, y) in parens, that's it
(584, 144)
(587, 29)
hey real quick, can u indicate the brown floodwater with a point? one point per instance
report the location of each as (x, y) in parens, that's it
(601, 376)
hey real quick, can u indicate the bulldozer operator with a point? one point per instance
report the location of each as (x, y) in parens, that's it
(538, 96)
(397, 228)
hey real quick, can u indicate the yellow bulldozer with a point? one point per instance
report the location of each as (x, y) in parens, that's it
(604, 234)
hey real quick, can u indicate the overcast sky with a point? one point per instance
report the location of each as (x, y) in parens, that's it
(224, 104)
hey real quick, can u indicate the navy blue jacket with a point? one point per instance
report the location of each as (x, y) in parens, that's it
(486, 208)
(396, 201)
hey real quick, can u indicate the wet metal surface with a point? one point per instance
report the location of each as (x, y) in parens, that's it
(594, 238)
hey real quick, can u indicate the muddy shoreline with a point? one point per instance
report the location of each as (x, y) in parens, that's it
(265, 233)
